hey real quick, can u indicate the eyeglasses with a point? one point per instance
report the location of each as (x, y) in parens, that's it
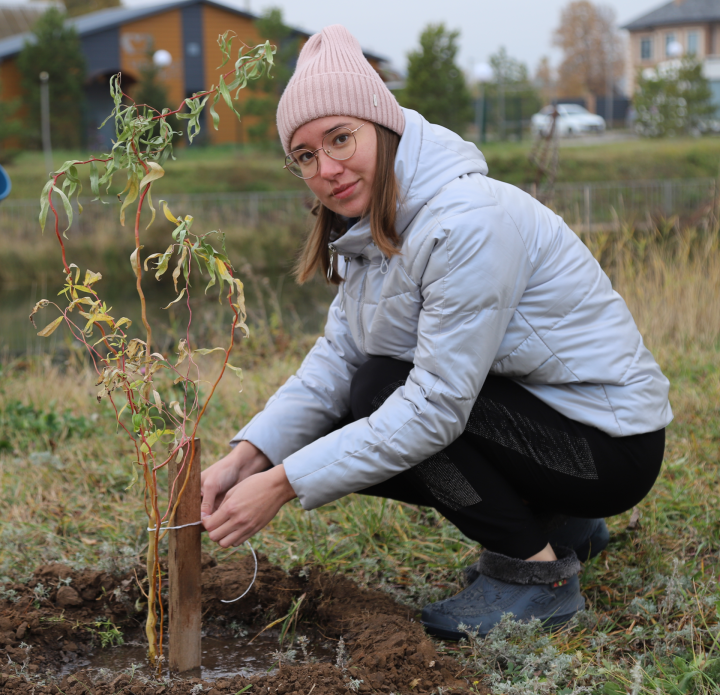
(339, 144)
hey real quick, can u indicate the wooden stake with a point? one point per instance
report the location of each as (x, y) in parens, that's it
(184, 566)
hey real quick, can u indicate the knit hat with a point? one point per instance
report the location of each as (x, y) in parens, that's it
(333, 78)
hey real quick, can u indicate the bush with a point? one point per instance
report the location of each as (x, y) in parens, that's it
(673, 99)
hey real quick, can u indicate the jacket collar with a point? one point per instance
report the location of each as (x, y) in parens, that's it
(428, 158)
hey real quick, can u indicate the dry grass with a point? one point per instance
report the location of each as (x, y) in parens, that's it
(652, 596)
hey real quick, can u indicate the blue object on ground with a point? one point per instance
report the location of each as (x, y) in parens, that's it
(5, 185)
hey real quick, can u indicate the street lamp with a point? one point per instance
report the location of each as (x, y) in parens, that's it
(45, 119)
(482, 73)
(674, 49)
(162, 58)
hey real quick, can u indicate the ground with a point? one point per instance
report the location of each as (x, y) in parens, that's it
(69, 510)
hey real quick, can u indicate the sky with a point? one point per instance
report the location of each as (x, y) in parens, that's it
(391, 28)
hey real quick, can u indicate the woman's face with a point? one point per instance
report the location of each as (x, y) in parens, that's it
(342, 186)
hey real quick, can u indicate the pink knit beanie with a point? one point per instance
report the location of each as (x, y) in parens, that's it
(333, 78)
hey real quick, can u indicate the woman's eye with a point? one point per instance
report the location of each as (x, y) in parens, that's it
(340, 139)
(304, 158)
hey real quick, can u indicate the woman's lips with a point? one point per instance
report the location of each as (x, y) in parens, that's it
(344, 191)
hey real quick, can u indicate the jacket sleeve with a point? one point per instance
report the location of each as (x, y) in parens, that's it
(471, 284)
(311, 401)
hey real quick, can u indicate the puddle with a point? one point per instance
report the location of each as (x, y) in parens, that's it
(220, 657)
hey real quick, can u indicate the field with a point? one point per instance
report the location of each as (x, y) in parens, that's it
(69, 515)
(227, 170)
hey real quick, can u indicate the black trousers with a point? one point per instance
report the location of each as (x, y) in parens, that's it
(518, 464)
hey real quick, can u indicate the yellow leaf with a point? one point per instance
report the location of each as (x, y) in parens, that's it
(238, 372)
(178, 269)
(156, 172)
(135, 261)
(130, 197)
(206, 351)
(50, 328)
(91, 278)
(177, 299)
(169, 214)
(40, 305)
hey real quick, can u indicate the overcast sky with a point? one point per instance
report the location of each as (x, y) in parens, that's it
(391, 27)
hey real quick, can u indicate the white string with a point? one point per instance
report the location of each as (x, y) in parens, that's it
(247, 543)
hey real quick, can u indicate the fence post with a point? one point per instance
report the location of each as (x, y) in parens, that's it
(587, 208)
(185, 564)
(667, 198)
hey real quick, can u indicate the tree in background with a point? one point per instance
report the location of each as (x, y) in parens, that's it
(511, 97)
(55, 50)
(592, 49)
(264, 94)
(673, 99)
(435, 85)
(78, 7)
(545, 80)
(11, 128)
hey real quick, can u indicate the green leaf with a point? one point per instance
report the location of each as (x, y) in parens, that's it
(45, 204)
(214, 113)
(152, 439)
(66, 205)
(237, 371)
(94, 180)
(226, 95)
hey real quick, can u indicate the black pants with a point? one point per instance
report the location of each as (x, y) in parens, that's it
(517, 464)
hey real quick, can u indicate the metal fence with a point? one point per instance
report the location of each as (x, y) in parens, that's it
(586, 207)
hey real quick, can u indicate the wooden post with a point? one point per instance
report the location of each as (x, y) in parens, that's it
(184, 566)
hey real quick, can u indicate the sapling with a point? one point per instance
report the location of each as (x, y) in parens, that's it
(127, 365)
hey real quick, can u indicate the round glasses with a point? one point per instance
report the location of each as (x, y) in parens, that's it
(338, 144)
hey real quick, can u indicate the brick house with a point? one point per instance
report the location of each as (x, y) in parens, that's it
(680, 27)
(118, 40)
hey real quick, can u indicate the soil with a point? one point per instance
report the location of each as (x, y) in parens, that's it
(44, 628)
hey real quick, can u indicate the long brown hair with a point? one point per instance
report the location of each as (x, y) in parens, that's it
(382, 211)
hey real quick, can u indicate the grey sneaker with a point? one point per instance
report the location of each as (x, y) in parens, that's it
(548, 591)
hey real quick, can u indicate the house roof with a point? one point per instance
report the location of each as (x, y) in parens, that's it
(674, 12)
(94, 22)
(16, 18)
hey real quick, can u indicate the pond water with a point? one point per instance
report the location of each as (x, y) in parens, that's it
(220, 657)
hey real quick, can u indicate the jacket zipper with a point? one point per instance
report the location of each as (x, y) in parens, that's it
(360, 303)
(342, 289)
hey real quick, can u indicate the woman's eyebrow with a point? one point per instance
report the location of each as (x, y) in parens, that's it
(303, 146)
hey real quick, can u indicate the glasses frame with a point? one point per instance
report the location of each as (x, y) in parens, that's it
(322, 147)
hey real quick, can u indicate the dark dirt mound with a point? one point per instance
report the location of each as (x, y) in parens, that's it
(60, 613)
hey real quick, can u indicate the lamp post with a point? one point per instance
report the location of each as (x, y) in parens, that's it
(482, 73)
(45, 120)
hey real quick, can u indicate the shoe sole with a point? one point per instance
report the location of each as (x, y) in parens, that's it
(552, 624)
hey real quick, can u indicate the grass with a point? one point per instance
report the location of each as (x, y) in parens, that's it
(218, 169)
(653, 604)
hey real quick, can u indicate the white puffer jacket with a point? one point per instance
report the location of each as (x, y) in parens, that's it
(489, 281)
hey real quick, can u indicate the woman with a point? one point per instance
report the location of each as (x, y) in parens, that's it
(475, 359)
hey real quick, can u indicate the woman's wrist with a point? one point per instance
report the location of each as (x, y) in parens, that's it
(250, 458)
(282, 484)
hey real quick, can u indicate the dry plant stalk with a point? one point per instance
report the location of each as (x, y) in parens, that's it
(127, 365)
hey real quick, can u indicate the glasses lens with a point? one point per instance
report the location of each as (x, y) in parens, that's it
(339, 144)
(301, 163)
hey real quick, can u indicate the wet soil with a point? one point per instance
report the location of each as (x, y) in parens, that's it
(52, 623)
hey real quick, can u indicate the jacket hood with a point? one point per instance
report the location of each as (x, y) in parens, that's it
(428, 158)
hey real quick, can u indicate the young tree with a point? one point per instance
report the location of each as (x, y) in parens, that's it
(592, 49)
(78, 7)
(673, 100)
(435, 85)
(511, 96)
(11, 128)
(55, 50)
(264, 94)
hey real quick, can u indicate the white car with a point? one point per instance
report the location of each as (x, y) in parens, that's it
(572, 120)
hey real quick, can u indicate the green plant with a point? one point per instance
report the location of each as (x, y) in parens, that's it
(110, 634)
(129, 366)
(55, 49)
(435, 85)
(673, 100)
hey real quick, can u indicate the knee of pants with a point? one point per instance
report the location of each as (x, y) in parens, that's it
(370, 381)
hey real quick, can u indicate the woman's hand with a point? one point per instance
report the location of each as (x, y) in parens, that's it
(242, 462)
(248, 507)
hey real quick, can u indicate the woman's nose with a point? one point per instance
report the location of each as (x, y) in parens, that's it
(328, 168)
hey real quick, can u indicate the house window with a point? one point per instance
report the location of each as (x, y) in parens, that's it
(669, 41)
(646, 48)
(693, 41)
